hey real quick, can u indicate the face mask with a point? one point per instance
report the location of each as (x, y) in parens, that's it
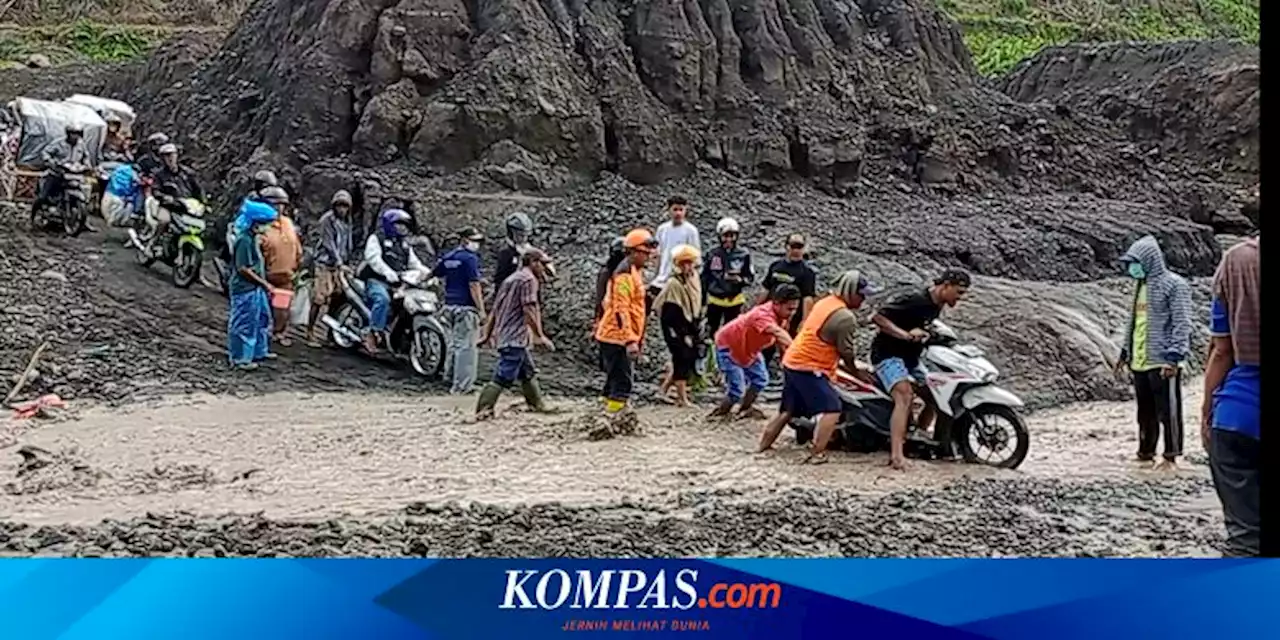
(1136, 271)
(472, 246)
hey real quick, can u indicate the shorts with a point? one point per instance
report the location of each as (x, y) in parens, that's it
(327, 283)
(891, 371)
(514, 363)
(806, 394)
(736, 376)
(281, 280)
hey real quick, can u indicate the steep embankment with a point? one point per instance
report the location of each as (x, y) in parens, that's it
(77, 32)
(1001, 33)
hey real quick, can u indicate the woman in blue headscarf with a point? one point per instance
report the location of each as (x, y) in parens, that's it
(249, 323)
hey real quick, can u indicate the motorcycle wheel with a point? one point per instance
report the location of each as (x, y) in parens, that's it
(186, 268)
(347, 317)
(979, 424)
(73, 219)
(427, 352)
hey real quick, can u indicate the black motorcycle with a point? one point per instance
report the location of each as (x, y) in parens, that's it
(70, 209)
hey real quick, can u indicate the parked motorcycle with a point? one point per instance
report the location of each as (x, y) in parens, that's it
(182, 244)
(414, 329)
(71, 209)
(974, 415)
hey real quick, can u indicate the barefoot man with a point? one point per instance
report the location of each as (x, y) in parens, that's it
(827, 335)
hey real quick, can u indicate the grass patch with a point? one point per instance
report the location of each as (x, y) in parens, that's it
(81, 40)
(1001, 33)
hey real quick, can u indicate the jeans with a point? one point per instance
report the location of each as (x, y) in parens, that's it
(378, 295)
(514, 363)
(464, 328)
(248, 327)
(737, 377)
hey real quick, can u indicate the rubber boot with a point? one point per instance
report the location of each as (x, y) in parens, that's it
(488, 398)
(533, 395)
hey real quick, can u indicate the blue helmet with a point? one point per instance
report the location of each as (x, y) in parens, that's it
(388, 220)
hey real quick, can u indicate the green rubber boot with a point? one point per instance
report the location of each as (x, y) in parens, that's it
(487, 400)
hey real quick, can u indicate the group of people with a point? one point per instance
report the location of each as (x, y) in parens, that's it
(707, 308)
(702, 302)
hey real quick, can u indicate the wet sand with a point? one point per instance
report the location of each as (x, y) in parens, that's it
(305, 458)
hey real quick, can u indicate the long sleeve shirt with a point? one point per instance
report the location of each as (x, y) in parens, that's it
(335, 241)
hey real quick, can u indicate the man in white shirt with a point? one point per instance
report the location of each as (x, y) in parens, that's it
(671, 234)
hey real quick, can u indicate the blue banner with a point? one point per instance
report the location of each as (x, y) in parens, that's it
(552, 598)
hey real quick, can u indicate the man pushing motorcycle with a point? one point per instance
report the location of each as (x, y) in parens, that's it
(896, 349)
(827, 336)
(387, 255)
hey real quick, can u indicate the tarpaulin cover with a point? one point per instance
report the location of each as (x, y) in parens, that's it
(44, 123)
(107, 106)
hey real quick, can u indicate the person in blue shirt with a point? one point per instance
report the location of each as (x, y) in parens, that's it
(249, 322)
(463, 307)
(122, 197)
(1231, 415)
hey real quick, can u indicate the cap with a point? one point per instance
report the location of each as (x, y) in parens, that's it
(640, 239)
(471, 233)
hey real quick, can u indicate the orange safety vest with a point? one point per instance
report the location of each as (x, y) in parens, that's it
(623, 319)
(808, 352)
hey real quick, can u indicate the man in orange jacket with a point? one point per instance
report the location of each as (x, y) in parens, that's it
(620, 330)
(827, 335)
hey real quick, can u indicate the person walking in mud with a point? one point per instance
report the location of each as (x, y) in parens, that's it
(516, 322)
(1231, 413)
(809, 365)
(1156, 344)
(282, 252)
(620, 332)
(739, 347)
(249, 321)
(463, 307)
(902, 326)
(332, 257)
(679, 307)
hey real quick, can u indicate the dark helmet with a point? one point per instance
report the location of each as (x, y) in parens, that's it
(617, 245)
(519, 224)
(264, 179)
(74, 130)
(274, 195)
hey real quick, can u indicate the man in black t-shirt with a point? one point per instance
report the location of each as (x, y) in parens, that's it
(794, 270)
(896, 349)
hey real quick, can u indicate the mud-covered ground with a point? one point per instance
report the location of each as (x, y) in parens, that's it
(404, 474)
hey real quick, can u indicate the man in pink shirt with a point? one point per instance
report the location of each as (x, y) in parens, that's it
(739, 345)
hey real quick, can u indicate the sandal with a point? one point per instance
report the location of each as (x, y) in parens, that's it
(816, 458)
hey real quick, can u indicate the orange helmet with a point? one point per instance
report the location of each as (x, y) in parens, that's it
(685, 253)
(640, 239)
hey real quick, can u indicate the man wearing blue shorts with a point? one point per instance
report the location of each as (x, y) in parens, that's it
(896, 349)
(517, 320)
(827, 336)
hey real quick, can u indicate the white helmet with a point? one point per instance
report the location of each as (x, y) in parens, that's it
(727, 225)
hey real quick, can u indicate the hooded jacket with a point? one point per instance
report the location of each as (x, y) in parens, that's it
(1168, 307)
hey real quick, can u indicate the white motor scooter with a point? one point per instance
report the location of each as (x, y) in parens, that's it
(976, 419)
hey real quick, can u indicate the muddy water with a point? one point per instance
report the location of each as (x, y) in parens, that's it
(295, 459)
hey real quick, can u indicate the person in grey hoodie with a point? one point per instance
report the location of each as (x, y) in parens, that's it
(1156, 344)
(333, 255)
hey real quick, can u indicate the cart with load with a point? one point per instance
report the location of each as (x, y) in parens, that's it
(30, 126)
